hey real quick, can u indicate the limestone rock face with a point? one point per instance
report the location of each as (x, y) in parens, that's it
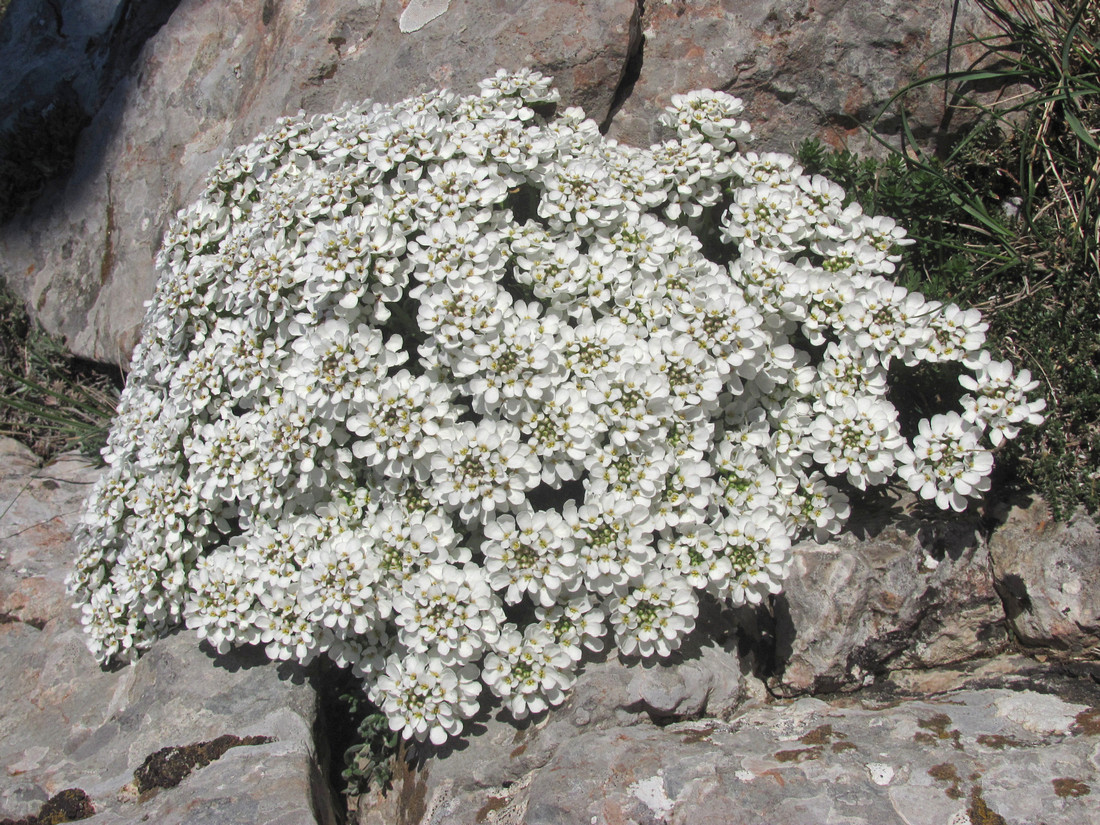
(80, 47)
(219, 72)
(804, 69)
(1047, 572)
(66, 724)
(1006, 754)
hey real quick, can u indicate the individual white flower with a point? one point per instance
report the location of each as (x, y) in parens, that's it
(955, 334)
(1000, 402)
(771, 168)
(396, 418)
(581, 194)
(337, 584)
(713, 115)
(509, 373)
(696, 555)
(529, 672)
(526, 84)
(765, 216)
(611, 535)
(758, 548)
(561, 429)
(889, 320)
(577, 624)
(447, 612)
(335, 364)
(654, 615)
(820, 507)
(222, 605)
(948, 464)
(480, 469)
(859, 439)
(530, 554)
(424, 699)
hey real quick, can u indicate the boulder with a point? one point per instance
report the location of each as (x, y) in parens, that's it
(702, 680)
(60, 59)
(182, 735)
(894, 591)
(217, 73)
(1047, 572)
(80, 45)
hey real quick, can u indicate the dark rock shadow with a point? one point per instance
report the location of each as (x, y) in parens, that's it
(249, 657)
(43, 123)
(765, 636)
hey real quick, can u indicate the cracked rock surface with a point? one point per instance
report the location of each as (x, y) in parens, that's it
(66, 724)
(1007, 741)
(883, 687)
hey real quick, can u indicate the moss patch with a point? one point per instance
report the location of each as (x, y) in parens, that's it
(1088, 722)
(980, 813)
(798, 755)
(997, 741)
(495, 803)
(946, 772)
(1066, 787)
(692, 735)
(71, 805)
(818, 736)
(11, 618)
(169, 766)
(937, 728)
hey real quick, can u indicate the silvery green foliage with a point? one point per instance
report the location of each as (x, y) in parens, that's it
(451, 391)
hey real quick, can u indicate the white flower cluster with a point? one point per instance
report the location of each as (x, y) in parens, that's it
(451, 390)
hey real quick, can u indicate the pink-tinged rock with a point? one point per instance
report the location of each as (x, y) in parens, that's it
(822, 69)
(1048, 574)
(703, 679)
(896, 592)
(1001, 754)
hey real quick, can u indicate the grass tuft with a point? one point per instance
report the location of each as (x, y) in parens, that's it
(50, 400)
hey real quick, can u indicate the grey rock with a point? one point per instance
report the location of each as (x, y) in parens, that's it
(1047, 572)
(997, 754)
(704, 679)
(67, 723)
(894, 591)
(78, 46)
(824, 69)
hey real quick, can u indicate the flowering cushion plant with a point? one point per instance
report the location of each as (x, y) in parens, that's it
(454, 390)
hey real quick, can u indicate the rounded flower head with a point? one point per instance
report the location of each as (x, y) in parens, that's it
(425, 699)
(711, 115)
(653, 616)
(948, 464)
(529, 672)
